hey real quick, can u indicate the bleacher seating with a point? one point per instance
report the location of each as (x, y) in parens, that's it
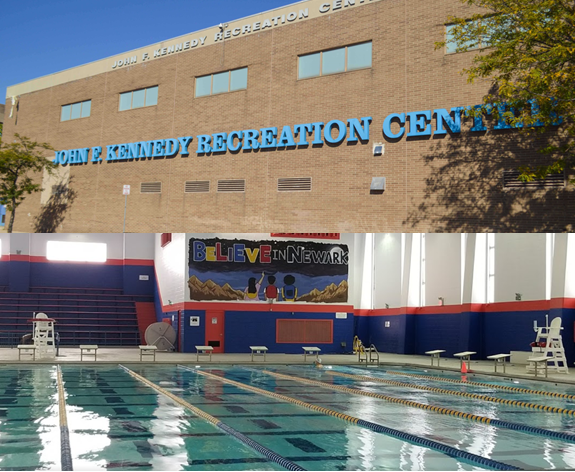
(105, 317)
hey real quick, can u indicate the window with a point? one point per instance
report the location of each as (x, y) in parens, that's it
(139, 98)
(335, 61)
(222, 82)
(76, 110)
(77, 252)
(450, 44)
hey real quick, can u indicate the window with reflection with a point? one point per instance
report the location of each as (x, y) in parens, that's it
(335, 61)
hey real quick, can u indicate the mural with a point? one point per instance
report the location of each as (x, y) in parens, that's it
(283, 271)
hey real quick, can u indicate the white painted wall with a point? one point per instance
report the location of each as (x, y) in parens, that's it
(569, 290)
(171, 268)
(387, 271)
(139, 246)
(5, 243)
(442, 268)
(20, 244)
(520, 266)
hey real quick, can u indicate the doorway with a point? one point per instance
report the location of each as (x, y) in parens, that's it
(215, 330)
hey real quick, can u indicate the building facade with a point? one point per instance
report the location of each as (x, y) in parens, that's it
(327, 116)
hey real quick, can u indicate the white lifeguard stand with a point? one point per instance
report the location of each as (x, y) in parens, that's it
(551, 336)
(44, 340)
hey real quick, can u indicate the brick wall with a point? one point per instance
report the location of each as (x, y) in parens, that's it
(447, 184)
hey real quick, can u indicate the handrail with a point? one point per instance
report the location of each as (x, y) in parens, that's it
(373, 353)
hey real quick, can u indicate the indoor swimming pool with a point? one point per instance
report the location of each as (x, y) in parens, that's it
(169, 417)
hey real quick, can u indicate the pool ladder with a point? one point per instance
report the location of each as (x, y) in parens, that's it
(368, 353)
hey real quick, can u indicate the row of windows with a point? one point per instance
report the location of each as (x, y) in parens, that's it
(451, 45)
(222, 82)
(333, 61)
(139, 98)
(76, 110)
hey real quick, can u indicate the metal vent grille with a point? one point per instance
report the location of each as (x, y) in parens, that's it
(200, 186)
(151, 187)
(510, 180)
(300, 184)
(231, 185)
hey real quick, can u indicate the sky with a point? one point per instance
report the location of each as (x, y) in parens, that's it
(40, 37)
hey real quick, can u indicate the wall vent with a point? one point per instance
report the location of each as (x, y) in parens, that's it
(198, 186)
(299, 184)
(231, 185)
(510, 180)
(151, 187)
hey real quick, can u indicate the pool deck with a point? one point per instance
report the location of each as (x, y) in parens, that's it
(132, 355)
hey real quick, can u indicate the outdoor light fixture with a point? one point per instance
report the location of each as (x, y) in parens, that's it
(518, 297)
(441, 301)
(378, 149)
(387, 305)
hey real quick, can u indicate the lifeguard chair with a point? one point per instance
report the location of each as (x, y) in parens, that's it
(549, 343)
(43, 335)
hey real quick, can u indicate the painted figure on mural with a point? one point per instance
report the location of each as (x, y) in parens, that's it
(271, 290)
(252, 291)
(289, 290)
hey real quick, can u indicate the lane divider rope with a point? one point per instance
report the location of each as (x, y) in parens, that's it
(481, 384)
(437, 409)
(533, 406)
(65, 449)
(271, 455)
(411, 438)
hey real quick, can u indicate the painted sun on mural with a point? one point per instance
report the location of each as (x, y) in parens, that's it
(272, 271)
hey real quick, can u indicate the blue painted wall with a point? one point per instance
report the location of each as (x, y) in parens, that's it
(484, 333)
(398, 338)
(132, 283)
(244, 329)
(57, 274)
(195, 335)
(19, 273)
(4, 273)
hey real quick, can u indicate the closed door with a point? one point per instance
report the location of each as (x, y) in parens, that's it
(215, 330)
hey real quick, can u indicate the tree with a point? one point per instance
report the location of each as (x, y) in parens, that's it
(17, 160)
(527, 49)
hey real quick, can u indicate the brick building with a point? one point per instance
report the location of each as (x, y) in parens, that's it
(285, 111)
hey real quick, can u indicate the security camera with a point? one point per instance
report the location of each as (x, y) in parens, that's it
(221, 25)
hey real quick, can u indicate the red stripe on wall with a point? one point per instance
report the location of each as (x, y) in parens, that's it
(110, 262)
(18, 258)
(262, 306)
(535, 305)
(139, 262)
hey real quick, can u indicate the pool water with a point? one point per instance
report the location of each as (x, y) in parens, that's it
(116, 422)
